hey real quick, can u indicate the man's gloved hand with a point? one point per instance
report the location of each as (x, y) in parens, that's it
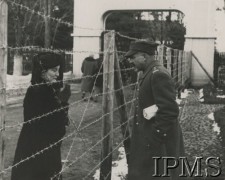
(64, 93)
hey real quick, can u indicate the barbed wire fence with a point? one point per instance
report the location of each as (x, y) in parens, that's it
(177, 62)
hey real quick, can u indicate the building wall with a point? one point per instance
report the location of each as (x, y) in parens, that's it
(83, 47)
(203, 48)
(199, 21)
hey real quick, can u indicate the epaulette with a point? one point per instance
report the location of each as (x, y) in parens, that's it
(155, 70)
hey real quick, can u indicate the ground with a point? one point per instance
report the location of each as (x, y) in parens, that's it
(199, 136)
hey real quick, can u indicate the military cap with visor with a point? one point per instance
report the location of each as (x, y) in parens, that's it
(142, 46)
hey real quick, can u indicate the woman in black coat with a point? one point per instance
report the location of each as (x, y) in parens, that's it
(40, 133)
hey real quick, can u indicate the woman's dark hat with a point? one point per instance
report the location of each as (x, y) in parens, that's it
(141, 46)
(44, 61)
(49, 60)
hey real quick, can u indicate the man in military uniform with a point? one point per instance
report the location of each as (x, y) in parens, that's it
(156, 131)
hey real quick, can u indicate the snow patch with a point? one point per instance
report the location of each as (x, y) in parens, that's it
(119, 168)
(220, 96)
(201, 95)
(216, 128)
(211, 116)
(185, 93)
(15, 81)
(178, 101)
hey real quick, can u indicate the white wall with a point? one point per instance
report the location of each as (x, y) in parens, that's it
(83, 46)
(204, 50)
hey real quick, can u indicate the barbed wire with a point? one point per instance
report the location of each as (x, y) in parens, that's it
(181, 114)
(52, 146)
(116, 109)
(134, 98)
(77, 158)
(138, 39)
(60, 109)
(58, 20)
(69, 24)
(107, 156)
(127, 122)
(41, 49)
(78, 129)
(25, 85)
(66, 80)
(62, 139)
(82, 118)
(127, 128)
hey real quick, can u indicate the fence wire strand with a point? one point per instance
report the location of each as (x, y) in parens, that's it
(177, 61)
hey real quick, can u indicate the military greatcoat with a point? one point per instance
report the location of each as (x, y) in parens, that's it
(161, 135)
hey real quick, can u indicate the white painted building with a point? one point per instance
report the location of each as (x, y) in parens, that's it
(90, 16)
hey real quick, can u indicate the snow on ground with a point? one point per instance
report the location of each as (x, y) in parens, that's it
(185, 93)
(215, 126)
(119, 167)
(178, 101)
(201, 95)
(211, 116)
(15, 81)
(220, 96)
(183, 96)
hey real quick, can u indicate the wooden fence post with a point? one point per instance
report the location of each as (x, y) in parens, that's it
(107, 102)
(160, 55)
(187, 62)
(3, 71)
(169, 60)
(179, 67)
(189, 66)
(176, 65)
(184, 68)
(120, 98)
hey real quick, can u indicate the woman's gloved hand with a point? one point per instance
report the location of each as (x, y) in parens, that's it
(64, 93)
